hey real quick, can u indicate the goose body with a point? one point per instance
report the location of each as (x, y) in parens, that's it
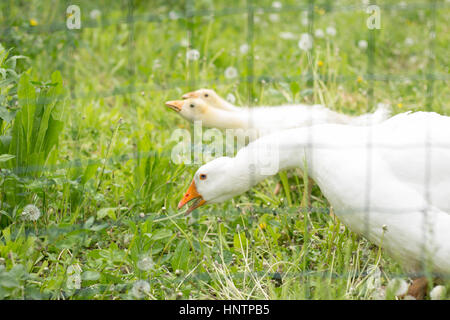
(388, 182)
(215, 112)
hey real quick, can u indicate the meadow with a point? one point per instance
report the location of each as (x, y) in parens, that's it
(88, 190)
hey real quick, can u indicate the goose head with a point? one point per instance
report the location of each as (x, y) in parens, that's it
(196, 109)
(192, 109)
(217, 181)
(211, 98)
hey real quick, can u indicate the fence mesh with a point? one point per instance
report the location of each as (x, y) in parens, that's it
(255, 52)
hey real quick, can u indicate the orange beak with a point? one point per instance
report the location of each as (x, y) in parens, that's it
(193, 94)
(175, 105)
(191, 194)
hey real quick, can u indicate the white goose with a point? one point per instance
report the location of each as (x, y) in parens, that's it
(389, 182)
(206, 106)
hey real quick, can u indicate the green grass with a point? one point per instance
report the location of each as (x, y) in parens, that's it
(108, 192)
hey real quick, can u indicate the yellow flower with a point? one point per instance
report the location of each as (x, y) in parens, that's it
(320, 63)
(33, 22)
(400, 105)
(262, 225)
(359, 79)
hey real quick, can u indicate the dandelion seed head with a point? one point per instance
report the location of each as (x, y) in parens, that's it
(94, 14)
(306, 42)
(231, 73)
(244, 48)
(31, 212)
(145, 264)
(319, 33)
(193, 54)
(331, 31)
(277, 5)
(173, 15)
(140, 289)
(362, 44)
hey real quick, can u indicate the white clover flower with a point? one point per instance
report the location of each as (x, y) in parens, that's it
(94, 14)
(319, 33)
(231, 73)
(331, 31)
(173, 15)
(409, 41)
(438, 293)
(140, 289)
(31, 212)
(306, 42)
(398, 287)
(244, 48)
(287, 35)
(193, 54)
(362, 44)
(277, 5)
(231, 98)
(145, 264)
(274, 17)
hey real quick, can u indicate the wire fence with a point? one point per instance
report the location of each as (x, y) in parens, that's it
(251, 79)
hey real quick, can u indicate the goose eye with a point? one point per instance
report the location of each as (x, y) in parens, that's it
(206, 95)
(192, 105)
(203, 176)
